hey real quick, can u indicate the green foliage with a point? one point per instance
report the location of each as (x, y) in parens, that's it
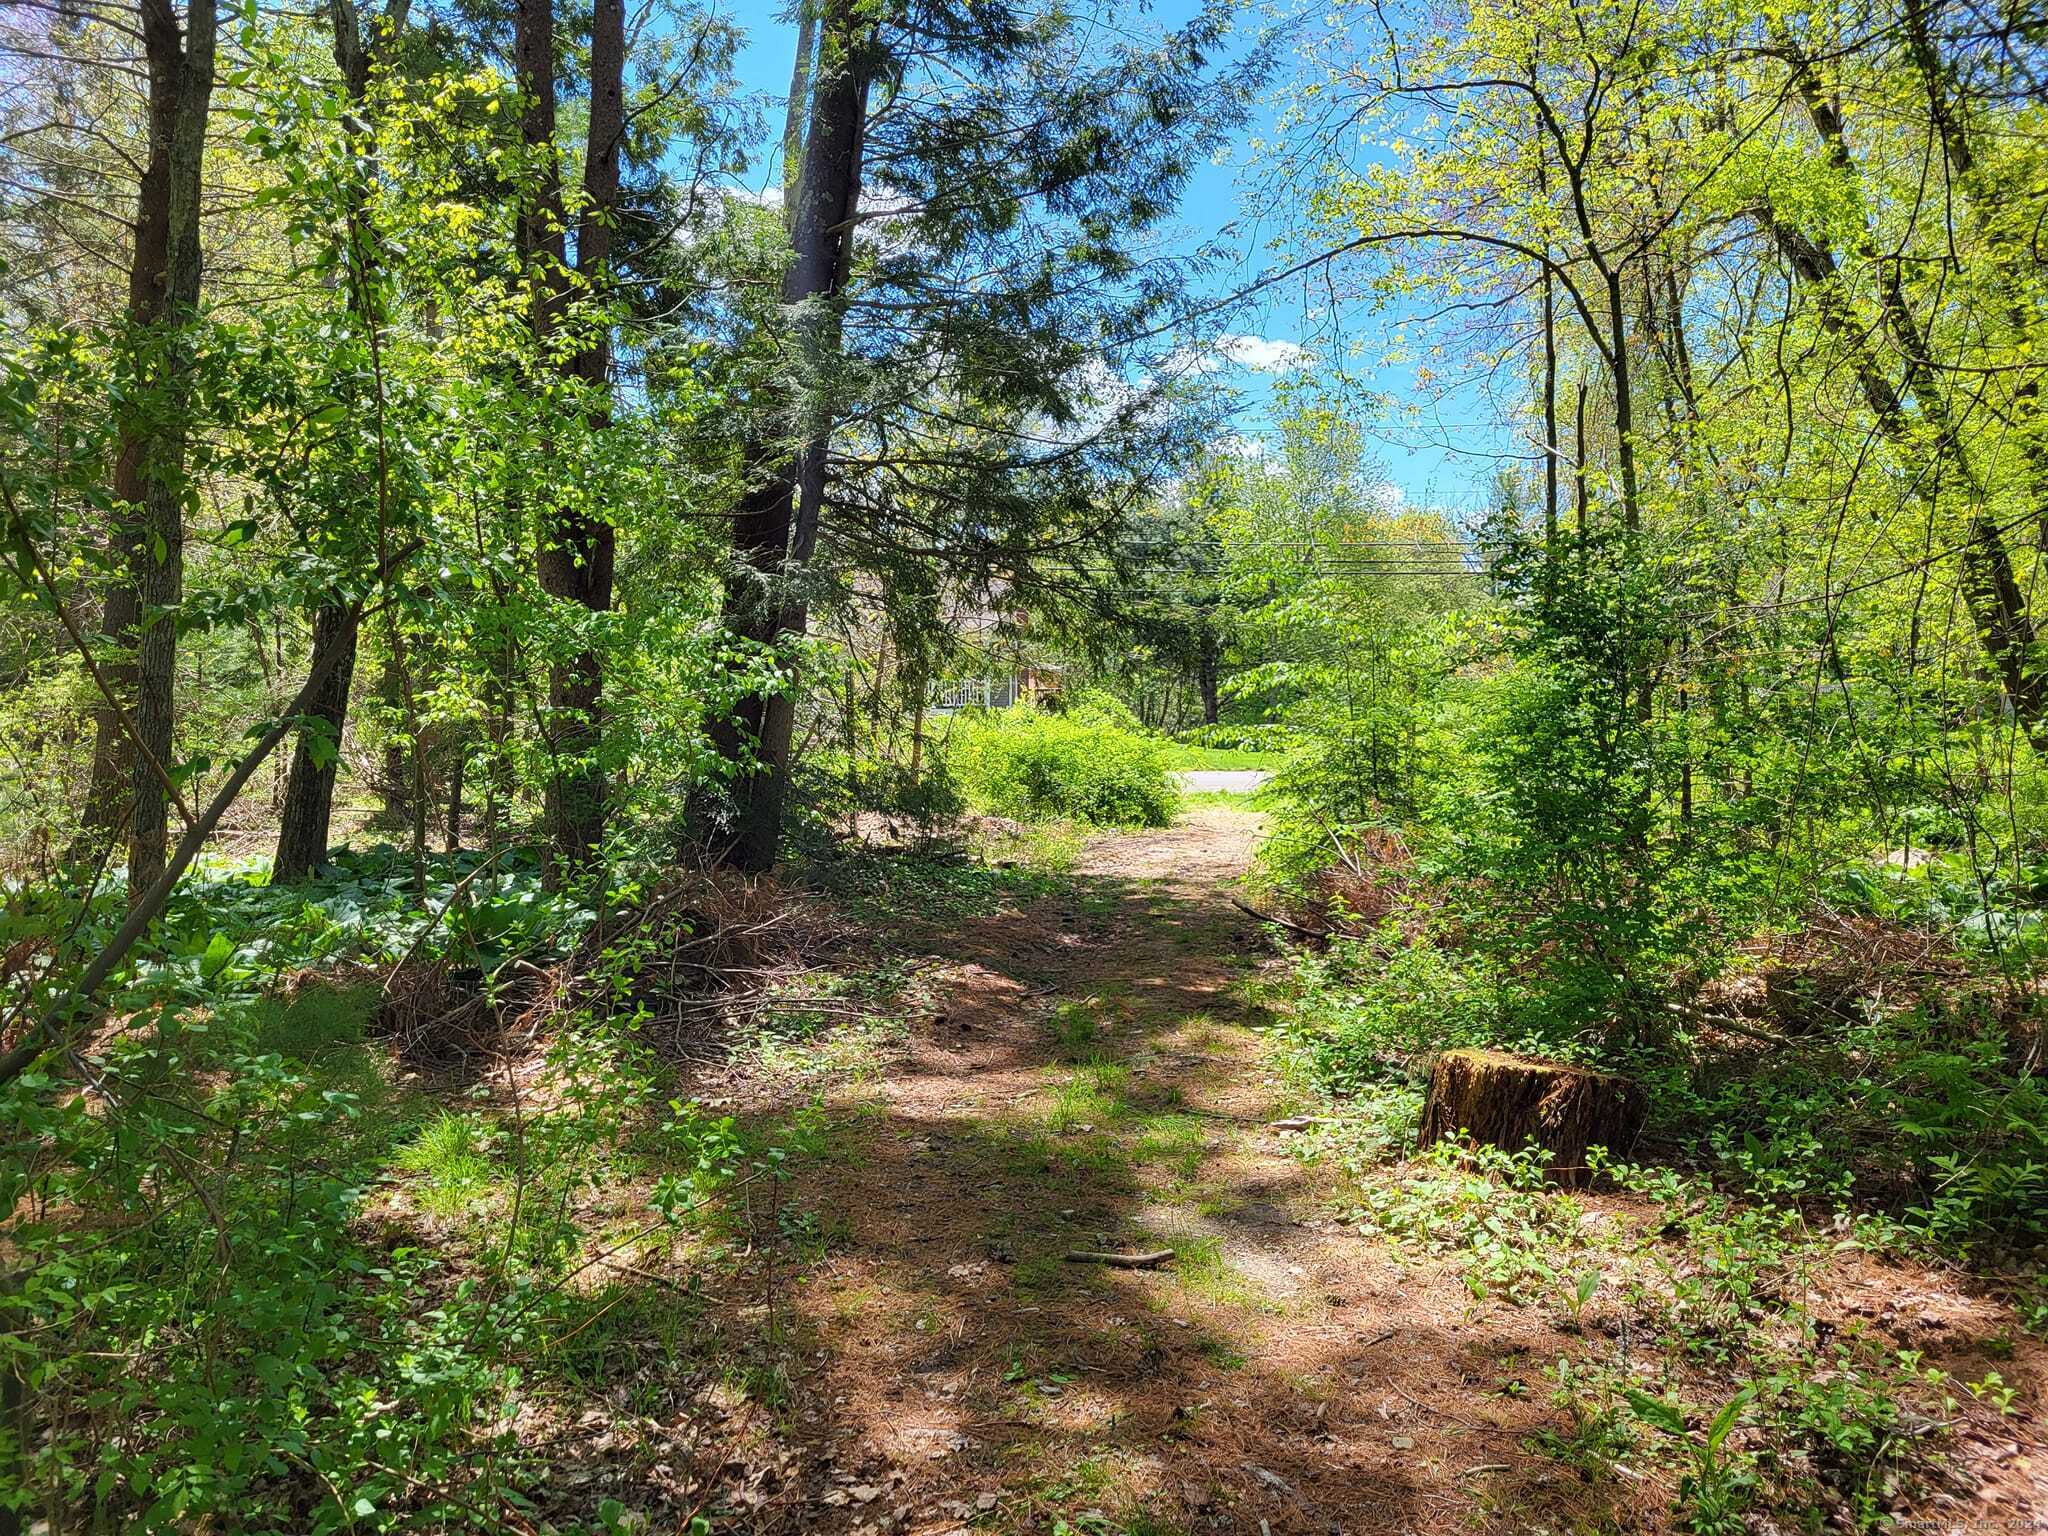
(1180, 755)
(1258, 739)
(1512, 1237)
(1035, 767)
(1362, 1012)
(335, 1284)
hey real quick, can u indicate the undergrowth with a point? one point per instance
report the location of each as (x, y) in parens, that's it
(297, 1283)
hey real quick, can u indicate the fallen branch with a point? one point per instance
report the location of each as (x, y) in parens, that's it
(1280, 922)
(1121, 1260)
(1730, 1025)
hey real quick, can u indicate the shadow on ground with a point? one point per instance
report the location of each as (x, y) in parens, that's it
(904, 1345)
(1087, 1083)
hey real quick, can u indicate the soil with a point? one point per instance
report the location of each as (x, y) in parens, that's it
(1090, 1078)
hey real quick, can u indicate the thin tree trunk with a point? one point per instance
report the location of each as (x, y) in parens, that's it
(395, 780)
(1551, 448)
(1579, 467)
(577, 546)
(776, 530)
(452, 828)
(1208, 671)
(305, 820)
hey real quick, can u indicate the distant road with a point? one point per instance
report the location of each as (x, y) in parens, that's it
(1236, 781)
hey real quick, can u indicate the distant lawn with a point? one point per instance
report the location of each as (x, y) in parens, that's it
(1262, 799)
(1180, 756)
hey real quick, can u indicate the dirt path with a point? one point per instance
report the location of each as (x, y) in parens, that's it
(1090, 1084)
(1090, 1079)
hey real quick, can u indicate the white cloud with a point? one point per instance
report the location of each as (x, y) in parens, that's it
(1261, 354)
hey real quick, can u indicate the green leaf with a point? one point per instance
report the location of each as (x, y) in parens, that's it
(219, 951)
(1724, 1421)
(1656, 1411)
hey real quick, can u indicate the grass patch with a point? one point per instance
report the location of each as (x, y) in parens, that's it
(1042, 848)
(1182, 757)
(1175, 1140)
(1092, 1095)
(450, 1157)
(314, 1019)
(1075, 1029)
(1203, 1272)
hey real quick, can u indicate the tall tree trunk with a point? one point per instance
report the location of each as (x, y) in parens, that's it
(305, 821)
(776, 530)
(577, 546)
(150, 464)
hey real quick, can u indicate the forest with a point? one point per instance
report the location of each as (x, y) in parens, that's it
(1023, 767)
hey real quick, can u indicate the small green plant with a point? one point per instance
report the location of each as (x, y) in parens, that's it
(1994, 1389)
(1577, 1294)
(1718, 1485)
(1597, 1436)
(451, 1157)
(1488, 1207)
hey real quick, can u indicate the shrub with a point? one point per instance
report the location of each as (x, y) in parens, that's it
(1369, 1007)
(1098, 706)
(1262, 736)
(1038, 767)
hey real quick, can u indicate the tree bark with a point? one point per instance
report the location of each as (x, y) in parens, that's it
(305, 821)
(149, 464)
(307, 814)
(776, 529)
(578, 546)
(1512, 1101)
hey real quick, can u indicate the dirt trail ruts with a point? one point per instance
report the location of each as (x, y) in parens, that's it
(1090, 1082)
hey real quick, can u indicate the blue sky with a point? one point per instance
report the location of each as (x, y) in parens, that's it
(1437, 452)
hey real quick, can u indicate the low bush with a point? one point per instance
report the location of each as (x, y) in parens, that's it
(1039, 767)
(1368, 1008)
(1098, 706)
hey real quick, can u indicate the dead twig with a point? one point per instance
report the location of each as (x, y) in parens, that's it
(1280, 922)
(1121, 1260)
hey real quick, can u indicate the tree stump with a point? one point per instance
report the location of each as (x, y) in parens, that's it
(1510, 1101)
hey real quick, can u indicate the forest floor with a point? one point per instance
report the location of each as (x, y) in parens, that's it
(1089, 1075)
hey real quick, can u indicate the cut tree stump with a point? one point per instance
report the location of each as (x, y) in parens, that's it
(1510, 1101)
